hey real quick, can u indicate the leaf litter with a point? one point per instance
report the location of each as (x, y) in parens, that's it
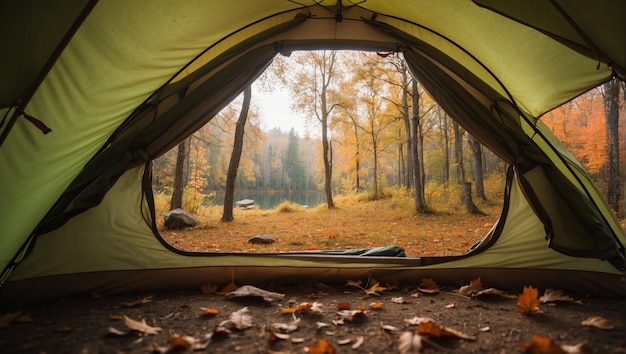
(352, 325)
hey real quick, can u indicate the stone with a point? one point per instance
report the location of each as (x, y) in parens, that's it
(264, 239)
(179, 219)
(244, 203)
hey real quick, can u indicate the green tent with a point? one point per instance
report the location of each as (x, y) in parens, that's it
(92, 91)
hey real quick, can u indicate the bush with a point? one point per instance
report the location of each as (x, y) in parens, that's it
(288, 207)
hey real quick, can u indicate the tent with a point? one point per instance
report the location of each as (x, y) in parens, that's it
(93, 91)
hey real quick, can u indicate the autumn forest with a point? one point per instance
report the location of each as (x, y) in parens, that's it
(360, 111)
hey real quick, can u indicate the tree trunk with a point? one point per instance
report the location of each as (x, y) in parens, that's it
(466, 187)
(477, 167)
(446, 151)
(235, 157)
(611, 111)
(179, 176)
(408, 176)
(420, 206)
(328, 166)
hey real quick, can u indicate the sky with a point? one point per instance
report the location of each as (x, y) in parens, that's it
(274, 110)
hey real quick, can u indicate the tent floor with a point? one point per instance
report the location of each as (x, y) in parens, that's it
(81, 325)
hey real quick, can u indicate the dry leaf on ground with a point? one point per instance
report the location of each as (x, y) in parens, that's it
(143, 300)
(474, 287)
(135, 327)
(598, 322)
(410, 342)
(428, 286)
(241, 319)
(322, 346)
(527, 302)
(252, 291)
(431, 329)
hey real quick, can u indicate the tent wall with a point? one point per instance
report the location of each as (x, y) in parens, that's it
(112, 248)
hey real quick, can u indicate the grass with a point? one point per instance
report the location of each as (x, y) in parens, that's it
(356, 222)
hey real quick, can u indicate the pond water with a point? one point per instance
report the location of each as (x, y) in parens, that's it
(269, 200)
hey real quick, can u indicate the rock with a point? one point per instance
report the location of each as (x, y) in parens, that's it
(178, 219)
(264, 239)
(244, 203)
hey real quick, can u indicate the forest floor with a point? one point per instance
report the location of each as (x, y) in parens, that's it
(351, 225)
(355, 317)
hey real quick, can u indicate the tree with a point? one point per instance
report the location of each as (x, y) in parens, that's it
(227, 216)
(293, 163)
(314, 88)
(420, 205)
(466, 187)
(179, 176)
(610, 97)
(477, 166)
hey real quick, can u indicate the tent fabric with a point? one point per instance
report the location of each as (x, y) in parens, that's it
(121, 82)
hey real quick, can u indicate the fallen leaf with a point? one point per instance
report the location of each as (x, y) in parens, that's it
(428, 286)
(398, 300)
(351, 315)
(319, 324)
(409, 343)
(252, 291)
(415, 321)
(208, 289)
(356, 283)
(551, 295)
(431, 329)
(527, 302)
(230, 287)
(343, 306)
(474, 287)
(450, 305)
(580, 348)
(497, 292)
(241, 318)
(598, 322)
(376, 305)
(143, 300)
(375, 289)
(542, 345)
(209, 311)
(287, 327)
(322, 346)
(358, 343)
(135, 327)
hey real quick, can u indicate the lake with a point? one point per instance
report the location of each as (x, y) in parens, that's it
(269, 200)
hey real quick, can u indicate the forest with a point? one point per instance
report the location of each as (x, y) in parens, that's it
(371, 126)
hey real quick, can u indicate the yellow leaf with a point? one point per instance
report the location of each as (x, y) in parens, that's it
(375, 289)
(376, 305)
(356, 283)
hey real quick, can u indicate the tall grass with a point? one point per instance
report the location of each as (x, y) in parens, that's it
(439, 198)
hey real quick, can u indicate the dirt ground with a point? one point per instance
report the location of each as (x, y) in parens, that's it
(345, 318)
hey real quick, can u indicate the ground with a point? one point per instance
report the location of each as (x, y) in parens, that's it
(487, 323)
(344, 316)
